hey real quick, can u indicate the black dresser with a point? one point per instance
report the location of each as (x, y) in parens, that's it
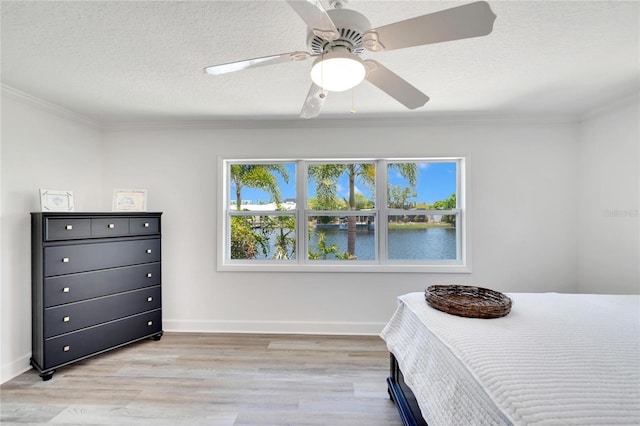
(96, 284)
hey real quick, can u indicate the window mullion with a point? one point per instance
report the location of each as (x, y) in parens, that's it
(381, 204)
(460, 206)
(302, 225)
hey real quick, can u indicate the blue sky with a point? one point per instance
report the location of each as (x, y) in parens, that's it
(436, 181)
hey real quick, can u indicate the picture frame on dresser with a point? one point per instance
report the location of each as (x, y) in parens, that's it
(96, 284)
(131, 200)
(53, 200)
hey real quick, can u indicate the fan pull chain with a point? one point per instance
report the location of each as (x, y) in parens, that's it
(353, 103)
(322, 94)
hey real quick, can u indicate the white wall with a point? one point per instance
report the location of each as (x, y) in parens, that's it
(527, 181)
(609, 188)
(522, 182)
(40, 149)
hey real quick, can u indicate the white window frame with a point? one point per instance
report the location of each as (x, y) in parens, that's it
(381, 213)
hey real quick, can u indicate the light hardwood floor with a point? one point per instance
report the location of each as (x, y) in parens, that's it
(213, 379)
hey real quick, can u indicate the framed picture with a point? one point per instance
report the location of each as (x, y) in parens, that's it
(52, 200)
(129, 200)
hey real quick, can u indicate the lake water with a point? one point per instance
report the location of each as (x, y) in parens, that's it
(410, 244)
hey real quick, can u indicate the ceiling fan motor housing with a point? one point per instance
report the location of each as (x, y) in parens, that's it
(350, 24)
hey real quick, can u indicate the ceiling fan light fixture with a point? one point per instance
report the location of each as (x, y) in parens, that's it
(338, 70)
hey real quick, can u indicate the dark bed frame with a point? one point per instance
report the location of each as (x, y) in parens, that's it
(402, 396)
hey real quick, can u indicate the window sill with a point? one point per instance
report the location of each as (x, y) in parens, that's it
(335, 267)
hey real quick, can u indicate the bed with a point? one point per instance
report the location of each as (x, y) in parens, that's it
(555, 359)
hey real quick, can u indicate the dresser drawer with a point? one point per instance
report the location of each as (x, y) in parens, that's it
(86, 285)
(109, 227)
(74, 316)
(70, 347)
(60, 260)
(142, 225)
(66, 229)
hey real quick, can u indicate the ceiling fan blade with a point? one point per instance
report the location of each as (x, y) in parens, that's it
(256, 62)
(313, 13)
(313, 103)
(391, 83)
(470, 20)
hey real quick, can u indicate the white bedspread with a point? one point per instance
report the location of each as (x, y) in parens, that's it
(555, 359)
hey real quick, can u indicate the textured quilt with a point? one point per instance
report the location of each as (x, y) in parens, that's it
(556, 359)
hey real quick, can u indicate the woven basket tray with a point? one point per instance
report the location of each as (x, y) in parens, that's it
(465, 301)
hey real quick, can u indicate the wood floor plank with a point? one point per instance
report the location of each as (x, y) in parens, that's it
(213, 379)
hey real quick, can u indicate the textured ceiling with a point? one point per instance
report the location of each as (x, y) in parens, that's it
(141, 61)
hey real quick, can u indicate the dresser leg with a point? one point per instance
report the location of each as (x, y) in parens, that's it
(47, 376)
(157, 337)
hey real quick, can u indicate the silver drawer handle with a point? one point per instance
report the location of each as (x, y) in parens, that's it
(66, 348)
(65, 260)
(111, 226)
(66, 290)
(150, 323)
(148, 251)
(146, 224)
(66, 319)
(149, 275)
(68, 227)
(149, 299)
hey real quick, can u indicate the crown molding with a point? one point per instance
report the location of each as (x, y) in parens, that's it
(368, 121)
(620, 102)
(34, 101)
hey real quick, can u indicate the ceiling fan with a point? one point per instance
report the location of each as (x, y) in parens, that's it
(337, 38)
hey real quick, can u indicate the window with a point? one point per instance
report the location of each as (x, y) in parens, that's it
(344, 215)
(263, 227)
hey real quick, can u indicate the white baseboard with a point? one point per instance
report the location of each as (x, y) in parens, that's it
(274, 327)
(15, 368)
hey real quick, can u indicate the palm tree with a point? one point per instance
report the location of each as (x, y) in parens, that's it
(245, 244)
(327, 175)
(259, 176)
(366, 173)
(283, 227)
